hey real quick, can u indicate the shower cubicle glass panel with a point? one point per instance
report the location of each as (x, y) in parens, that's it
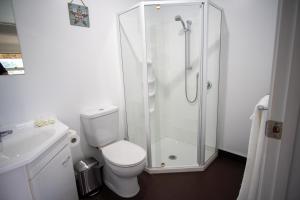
(131, 40)
(212, 75)
(173, 64)
(170, 60)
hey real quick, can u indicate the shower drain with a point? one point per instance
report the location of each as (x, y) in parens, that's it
(172, 157)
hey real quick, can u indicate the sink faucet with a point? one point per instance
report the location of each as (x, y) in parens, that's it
(5, 133)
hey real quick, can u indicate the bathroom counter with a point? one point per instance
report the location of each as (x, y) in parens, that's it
(27, 143)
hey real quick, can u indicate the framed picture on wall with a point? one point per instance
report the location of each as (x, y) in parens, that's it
(79, 15)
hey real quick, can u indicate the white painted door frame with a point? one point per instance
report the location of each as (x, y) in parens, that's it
(284, 102)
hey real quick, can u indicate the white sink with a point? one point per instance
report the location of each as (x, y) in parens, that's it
(27, 142)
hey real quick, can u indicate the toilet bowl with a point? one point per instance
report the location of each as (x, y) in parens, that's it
(123, 160)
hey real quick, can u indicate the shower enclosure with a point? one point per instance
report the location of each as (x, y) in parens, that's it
(170, 60)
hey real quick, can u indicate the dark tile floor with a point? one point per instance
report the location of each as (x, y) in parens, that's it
(220, 181)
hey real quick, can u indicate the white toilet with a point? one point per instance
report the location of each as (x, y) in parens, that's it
(123, 160)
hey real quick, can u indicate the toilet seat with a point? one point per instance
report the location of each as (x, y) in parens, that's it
(124, 154)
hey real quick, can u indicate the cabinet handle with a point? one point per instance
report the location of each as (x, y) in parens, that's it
(66, 160)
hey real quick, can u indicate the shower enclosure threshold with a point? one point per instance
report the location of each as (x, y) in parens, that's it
(163, 170)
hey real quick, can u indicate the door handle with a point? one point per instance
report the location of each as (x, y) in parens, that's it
(209, 85)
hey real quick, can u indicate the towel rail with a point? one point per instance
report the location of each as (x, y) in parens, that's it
(260, 107)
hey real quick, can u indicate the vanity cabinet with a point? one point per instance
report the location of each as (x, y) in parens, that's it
(56, 179)
(48, 177)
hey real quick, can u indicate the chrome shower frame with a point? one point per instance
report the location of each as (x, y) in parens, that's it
(202, 88)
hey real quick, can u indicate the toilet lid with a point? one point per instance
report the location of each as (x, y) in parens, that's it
(124, 153)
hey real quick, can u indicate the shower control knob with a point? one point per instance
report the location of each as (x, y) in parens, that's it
(209, 85)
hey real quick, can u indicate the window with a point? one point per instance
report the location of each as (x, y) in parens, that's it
(12, 63)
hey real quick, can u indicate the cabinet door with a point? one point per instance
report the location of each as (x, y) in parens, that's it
(56, 181)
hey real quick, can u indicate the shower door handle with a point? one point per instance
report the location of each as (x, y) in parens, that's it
(209, 85)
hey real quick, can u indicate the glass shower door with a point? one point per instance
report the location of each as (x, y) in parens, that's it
(173, 82)
(212, 79)
(130, 27)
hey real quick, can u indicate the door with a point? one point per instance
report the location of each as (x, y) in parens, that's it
(284, 103)
(173, 43)
(56, 181)
(211, 83)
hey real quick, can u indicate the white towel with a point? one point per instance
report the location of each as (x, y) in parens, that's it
(256, 152)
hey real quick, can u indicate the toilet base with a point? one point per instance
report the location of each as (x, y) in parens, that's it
(123, 186)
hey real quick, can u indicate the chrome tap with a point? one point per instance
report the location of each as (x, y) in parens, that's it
(5, 133)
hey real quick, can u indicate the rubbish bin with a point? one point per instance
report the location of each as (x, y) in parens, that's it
(88, 177)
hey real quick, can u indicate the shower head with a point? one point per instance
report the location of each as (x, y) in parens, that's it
(179, 18)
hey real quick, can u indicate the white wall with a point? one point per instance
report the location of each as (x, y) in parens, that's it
(67, 68)
(248, 35)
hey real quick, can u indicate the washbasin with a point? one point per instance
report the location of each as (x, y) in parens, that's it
(18, 144)
(27, 142)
